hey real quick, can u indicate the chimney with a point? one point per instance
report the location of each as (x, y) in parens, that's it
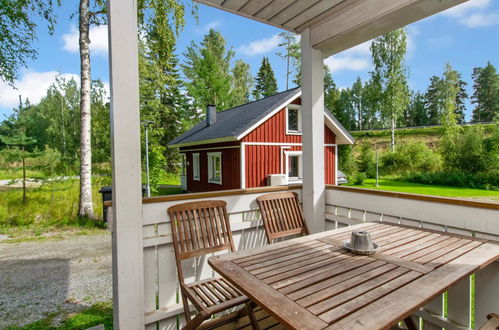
(211, 114)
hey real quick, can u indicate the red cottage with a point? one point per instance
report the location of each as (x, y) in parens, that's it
(255, 144)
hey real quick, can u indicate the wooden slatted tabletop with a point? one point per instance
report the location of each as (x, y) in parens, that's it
(311, 282)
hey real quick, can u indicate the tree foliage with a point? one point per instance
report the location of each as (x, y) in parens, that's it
(266, 84)
(486, 93)
(18, 33)
(390, 73)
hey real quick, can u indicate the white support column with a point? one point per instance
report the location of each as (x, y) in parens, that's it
(312, 84)
(127, 198)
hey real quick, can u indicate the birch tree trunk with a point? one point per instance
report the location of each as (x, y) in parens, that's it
(392, 142)
(85, 205)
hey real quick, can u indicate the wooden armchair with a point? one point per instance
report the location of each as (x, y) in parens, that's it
(199, 228)
(282, 215)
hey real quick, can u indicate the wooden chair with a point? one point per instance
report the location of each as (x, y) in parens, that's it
(493, 322)
(282, 215)
(200, 228)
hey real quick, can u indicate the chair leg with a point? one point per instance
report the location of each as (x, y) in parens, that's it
(194, 323)
(187, 312)
(251, 315)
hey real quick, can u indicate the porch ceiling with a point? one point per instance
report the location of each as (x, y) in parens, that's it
(335, 25)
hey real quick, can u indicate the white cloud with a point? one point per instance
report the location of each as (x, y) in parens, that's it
(474, 13)
(261, 46)
(32, 85)
(98, 40)
(207, 27)
(480, 19)
(466, 7)
(354, 59)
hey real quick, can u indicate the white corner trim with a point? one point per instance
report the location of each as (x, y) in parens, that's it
(243, 165)
(335, 165)
(273, 112)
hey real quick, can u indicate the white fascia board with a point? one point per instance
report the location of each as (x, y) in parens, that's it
(342, 137)
(209, 141)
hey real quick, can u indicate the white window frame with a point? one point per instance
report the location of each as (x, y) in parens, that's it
(196, 169)
(210, 166)
(300, 168)
(298, 109)
(183, 164)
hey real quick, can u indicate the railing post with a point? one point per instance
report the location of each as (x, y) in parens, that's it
(125, 136)
(312, 82)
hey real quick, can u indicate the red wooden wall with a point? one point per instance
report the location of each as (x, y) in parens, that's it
(231, 178)
(262, 160)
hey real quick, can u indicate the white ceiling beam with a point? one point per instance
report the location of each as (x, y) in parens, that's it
(368, 19)
(218, 4)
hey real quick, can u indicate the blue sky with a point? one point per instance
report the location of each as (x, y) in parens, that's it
(466, 36)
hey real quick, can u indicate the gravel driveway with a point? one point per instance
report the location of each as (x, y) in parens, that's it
(38, 278)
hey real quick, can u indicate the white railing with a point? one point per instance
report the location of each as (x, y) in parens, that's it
(465, 305)
(162, 306)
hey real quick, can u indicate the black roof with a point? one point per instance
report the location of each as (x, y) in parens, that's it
(233, 122)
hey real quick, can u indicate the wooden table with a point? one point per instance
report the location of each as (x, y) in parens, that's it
(311, 282)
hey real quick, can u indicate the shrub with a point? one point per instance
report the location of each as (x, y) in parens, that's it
(488, 180)
(410, 157)
(346, 161)
(359, 178)
(366, 162)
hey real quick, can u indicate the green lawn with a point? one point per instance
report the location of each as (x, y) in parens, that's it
(101, 313)
(423, 189)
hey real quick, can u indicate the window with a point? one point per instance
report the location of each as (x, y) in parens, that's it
(195, 167)
(183, 164)
(215, 167)
(294, 166)
(293, 119)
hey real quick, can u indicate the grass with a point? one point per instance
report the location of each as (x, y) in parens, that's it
(170, 179)
(423, 189)
(17, 174)
(50, 212)
(100, 313)
(163, 191)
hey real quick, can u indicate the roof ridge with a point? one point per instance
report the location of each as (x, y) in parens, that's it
(263, 98)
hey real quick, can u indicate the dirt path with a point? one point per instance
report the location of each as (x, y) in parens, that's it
(39, 278)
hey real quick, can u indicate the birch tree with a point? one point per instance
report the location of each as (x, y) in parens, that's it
(390, 72)
(87, 16)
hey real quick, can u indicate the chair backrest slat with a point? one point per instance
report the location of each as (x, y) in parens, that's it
(282, 215)
(199, 228)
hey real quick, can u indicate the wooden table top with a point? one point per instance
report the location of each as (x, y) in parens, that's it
(311, 282)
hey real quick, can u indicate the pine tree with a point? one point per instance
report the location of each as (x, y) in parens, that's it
(331, 92)
(434, 100)
(358, 102)
(417, 111)
(486, 93)
(266, 84)
(291, 54)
